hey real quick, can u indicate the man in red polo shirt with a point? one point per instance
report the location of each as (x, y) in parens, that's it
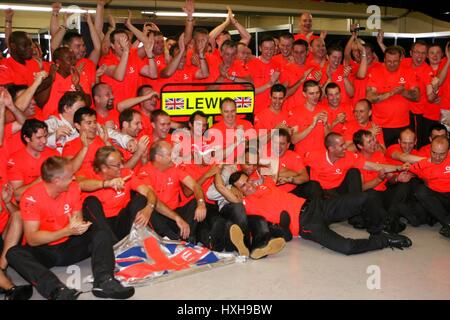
(310, 121)
(424, 75)
(340, 74)
(265, 73)
(58, 235)
(24, 166)
(103, 104)
(392, 85)
(131, 125)
(107, 194)
(146, 102)
(292, 174)
(20, 67)
(404, 151)
(362, 113)
(434, 194)
(339, 111)
(285, 45)
(311, 219)
(166, 179)
(66, 78)
(91, 138)
(276, 116)
(435, 131)
(305, 31)
(125, 67)
(295, 74)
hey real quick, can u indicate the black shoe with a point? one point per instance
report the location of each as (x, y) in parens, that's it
(285, 222)
(65, 294)
(113, 289)
(397, 240)
(394, 226)
(445, 231)
(18, 292)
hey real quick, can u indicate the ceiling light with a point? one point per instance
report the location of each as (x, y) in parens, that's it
(182, 14)
(72, 9)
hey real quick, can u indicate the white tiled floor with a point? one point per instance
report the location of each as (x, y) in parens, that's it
(304, 270)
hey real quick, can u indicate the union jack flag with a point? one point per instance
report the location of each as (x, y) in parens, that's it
(143, 257)
(174, 103)
(243, 102)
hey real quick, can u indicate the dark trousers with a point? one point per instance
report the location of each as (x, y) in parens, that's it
(317, 215)
(33, 263)
(391, 135)
(427, 124)
(308, 190)
(417, 125)
(435, 203)
(352, 183)
(166, 227)
(119, 225)
(214, 231)
(262, 231)
(235, 212)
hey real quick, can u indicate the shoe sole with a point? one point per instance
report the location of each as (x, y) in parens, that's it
(274, 246)
(118, 295)
(237, 239)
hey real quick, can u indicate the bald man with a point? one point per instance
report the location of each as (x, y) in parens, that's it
(434, 194)
(305, 31)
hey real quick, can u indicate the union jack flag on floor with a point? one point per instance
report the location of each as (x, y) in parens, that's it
(143, 257)
(174, 103)
(243, 102)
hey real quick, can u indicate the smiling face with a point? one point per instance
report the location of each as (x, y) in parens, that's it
(392, 62)
(418, 54)
(38, 140)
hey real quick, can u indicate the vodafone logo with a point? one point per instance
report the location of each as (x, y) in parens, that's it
(447, 169)
(271, 71)
(338, 171)
(67, 209)
(119, 194)
(339, 78)
(131, 70)
(402, 80)
(169, 181)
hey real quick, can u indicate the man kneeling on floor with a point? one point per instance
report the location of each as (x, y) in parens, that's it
(57, 235)
(311, 218)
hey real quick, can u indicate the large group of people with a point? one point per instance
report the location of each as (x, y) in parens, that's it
(86, 152)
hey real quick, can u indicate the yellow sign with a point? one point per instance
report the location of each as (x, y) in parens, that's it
(186, 103)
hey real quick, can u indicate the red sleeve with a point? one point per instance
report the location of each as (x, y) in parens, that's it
(13, 170)
(5, 75)
(358, 162)
(29, 207)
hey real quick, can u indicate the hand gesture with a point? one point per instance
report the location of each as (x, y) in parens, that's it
(124, 42)
(112, 21)
(101, 71)
(347, 71)
(184, 227)
(102, 131)
(65, 131)
(380, 36)
(56, 7)
(132, 145)
(143, 144)
(143, 217)
(148, 44)
(189, 8)
(7, 193)
(128, 20)
(117, 183)
(200, 212)
(323, 34)
(77, 227)
(9, 14)
(274, 78)
(39, 77)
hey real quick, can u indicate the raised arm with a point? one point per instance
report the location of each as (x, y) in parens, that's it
(9, 14)
(96, 42)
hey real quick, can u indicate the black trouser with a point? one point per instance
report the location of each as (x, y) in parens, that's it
(427, 124)
(417, 125)
(166, 227)
(436, 203)
(119, 225)
(214, 231)
(33, 263)
(352, 183)
(391, 135)
(235, 212)
(317, 215)
(262, 231)
(308, 190)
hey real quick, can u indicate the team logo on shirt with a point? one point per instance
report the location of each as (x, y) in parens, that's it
(31, 199)
(131, 70)
(339, 78)
(119, 194)
(67, 209)
(402, 80)
(170, 181)
(338, 171)
(447, 169)
(185, 76)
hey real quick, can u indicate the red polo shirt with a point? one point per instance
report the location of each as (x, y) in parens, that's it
(331, 175)
(12, 72)
(436, 176)
(292, 161)
(397, 148)
(351, 127)
(53, 214)
(261, 73)
(72, 148)
(368, 175)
